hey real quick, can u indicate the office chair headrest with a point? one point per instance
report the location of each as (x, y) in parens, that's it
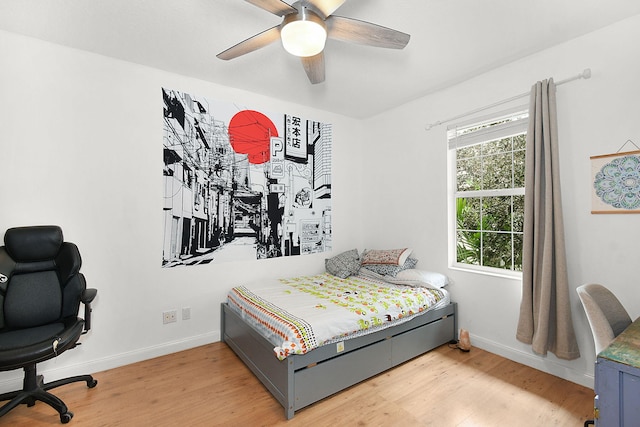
(37, 243)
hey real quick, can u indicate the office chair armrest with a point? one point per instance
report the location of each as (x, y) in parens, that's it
(87, 297)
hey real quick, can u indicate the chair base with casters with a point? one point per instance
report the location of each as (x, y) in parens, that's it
(41, 289)
(35, 389)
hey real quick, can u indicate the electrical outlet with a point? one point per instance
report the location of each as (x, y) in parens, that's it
(186, 313)
(169, 316)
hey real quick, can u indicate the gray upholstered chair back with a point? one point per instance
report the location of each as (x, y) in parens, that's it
(606, 315)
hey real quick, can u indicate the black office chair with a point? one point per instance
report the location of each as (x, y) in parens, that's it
(41, 289)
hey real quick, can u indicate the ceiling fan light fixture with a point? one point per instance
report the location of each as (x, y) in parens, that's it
(303, 34)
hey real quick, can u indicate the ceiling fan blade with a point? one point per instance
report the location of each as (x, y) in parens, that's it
(277, 7)
(361, 32)
(252, 43)
(327, 7)
(314, 67)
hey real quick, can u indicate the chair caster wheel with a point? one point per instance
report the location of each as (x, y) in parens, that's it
(92, 383)
(66, 417)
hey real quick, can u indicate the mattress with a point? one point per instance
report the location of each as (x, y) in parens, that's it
(299, 314)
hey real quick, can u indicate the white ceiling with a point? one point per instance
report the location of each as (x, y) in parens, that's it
(451, 41)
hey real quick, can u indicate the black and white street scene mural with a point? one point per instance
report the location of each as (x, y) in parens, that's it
(240, 184)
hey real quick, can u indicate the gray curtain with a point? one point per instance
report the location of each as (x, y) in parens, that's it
(545, 311)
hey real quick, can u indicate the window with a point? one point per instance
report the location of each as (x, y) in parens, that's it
(487, 159)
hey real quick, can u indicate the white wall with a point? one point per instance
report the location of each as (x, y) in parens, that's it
(407, 185)
(81, 147)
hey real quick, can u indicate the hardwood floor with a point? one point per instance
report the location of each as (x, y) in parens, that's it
(210, 386)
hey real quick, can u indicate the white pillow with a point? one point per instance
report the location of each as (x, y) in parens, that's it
(415, 276)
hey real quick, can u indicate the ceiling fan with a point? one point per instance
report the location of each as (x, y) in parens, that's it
(305, 26)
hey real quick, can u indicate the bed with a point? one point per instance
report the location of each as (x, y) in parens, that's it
(298, 373)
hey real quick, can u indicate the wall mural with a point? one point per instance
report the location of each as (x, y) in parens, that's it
(241, 184)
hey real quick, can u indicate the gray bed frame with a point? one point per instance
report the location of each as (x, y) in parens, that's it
(301, 380)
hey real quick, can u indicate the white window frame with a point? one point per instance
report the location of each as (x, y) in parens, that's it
(458, 138)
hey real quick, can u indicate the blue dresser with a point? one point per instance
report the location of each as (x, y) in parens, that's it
(617, 381)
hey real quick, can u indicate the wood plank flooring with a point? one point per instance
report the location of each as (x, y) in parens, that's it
(210, 386)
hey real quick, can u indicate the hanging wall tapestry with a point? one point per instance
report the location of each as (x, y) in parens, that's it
(615, 183)
(241, 184)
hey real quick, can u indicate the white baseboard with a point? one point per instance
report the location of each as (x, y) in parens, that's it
(543, 364)
(111, 362)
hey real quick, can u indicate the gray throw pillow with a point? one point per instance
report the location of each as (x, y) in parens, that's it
(391, 270)
(343, 265)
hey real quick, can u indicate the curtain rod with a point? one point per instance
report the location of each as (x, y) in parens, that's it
(583, 75)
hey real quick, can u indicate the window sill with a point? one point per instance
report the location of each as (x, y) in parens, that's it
(505, 274)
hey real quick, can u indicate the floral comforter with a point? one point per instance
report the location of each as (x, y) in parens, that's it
(302, 313)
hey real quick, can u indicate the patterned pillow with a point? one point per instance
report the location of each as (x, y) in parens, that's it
(343, 265)
(388, 256)
(389, 269)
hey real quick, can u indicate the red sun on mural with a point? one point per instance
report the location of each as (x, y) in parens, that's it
(250, 133)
